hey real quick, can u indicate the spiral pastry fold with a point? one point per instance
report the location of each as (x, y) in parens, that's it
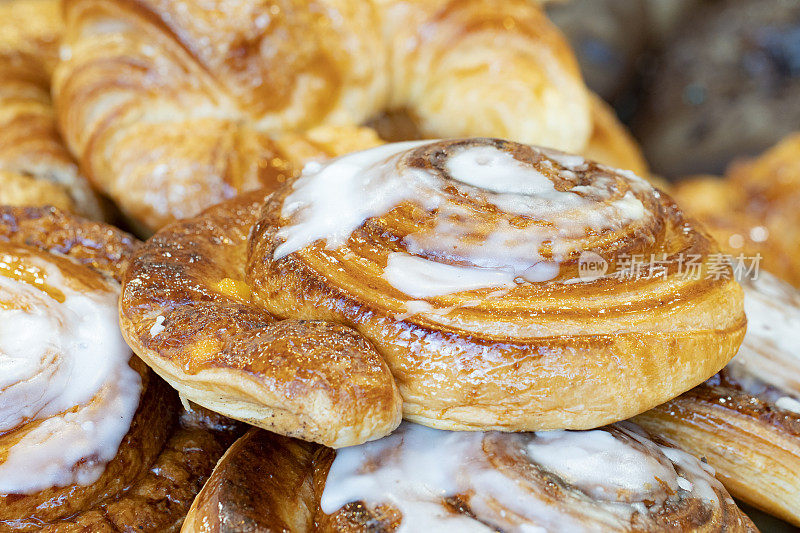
(464, 263)
(746, 419)
(421, 479)
(187, 311)
(90, 439)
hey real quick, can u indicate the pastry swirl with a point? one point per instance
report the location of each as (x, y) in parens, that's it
(90, 439)
(746, 420)
(467, 289)
(273, 84)
(421, 479)
(460, 261)
(186, 310)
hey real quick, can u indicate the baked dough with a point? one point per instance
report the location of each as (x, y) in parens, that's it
(35, 167)
(80, 469)
(418, 479)
(172, 108)
(480, 316)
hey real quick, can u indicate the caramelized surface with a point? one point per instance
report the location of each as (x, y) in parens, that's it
(753, 445)
(166, 456)
(559, 354)
(315, 380)
(267, 482)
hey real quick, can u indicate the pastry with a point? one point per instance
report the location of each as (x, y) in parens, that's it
(755, 210)
(90, 439)
(726, 85)
(470, 290)
(187, 309)
(421, 479)
(746, 420)
(35, 166)
(172, 107)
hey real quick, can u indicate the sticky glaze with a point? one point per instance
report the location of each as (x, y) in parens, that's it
(614, 473)
(65, 385)
(555, 208)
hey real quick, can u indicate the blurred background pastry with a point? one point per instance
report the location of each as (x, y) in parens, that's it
(755, 209)
(172, 108)
(35, 167)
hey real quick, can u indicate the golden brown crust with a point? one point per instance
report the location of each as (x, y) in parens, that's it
(254, 85)
(164, 458)
(270, 483)
(262, 483)
(541, 356)
(315, 380)
(753, 445)
(35, 166)
(753, 210)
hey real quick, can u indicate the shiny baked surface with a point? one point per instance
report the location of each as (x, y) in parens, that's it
(209, 304)
(166, 453)
(746, 419)
(187, 311)
(529, 343)
(422, 479)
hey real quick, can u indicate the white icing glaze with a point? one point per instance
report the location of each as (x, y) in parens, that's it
(64, 373)
(419, 277)
(328, 202)
(158, 326)
(769, 354)
(790, 404)
(416, 467)
(598, 463)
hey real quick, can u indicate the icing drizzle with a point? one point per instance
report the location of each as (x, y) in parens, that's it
(67, 394)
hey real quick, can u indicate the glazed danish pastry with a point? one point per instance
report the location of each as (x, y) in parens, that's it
(754, 209)
(460, 262)
(90, 439)
(421, 479)
(746, 420)
(139, 75)
(35, 166)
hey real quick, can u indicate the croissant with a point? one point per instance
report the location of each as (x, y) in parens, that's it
(90, 439)
(138, 76)
(754, 209)
(421, 479)
(746, 420)
(460, 262)
(35, 166)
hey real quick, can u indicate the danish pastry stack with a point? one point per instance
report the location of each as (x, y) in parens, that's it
(446, 334)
